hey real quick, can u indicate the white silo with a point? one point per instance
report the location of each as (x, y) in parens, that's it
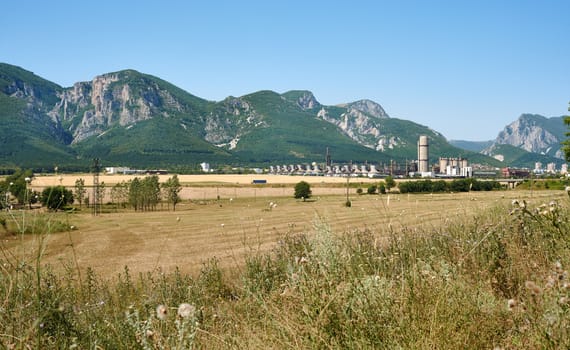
(443, 163)
(423, 154)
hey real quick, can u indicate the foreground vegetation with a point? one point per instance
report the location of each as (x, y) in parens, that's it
(496, 279)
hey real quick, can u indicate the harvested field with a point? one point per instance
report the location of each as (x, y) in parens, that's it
(237, 224)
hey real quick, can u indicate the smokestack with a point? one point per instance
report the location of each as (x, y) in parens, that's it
(423, 154)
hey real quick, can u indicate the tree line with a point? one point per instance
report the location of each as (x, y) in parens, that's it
(457, 185)
(140, 194)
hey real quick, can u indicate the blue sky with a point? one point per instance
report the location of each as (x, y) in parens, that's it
(463, 68)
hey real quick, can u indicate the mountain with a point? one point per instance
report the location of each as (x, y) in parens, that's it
(133, 119)
(515, 156)
(473, 146)
(537, 135)
(29, 136)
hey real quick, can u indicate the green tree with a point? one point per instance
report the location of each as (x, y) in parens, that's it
(101, 193)
(151, 192)
(56, 197)
(80, 191)
(372, 189)
(135, 193)
(16, 185)
(566, 143)
(302, 190)
(144, 194)
(120, 194)
(172, 188)
(390, 183)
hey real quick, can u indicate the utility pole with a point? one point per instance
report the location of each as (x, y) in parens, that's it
(95, 207)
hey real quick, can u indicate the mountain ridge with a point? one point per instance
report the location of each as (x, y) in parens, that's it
(132, 118)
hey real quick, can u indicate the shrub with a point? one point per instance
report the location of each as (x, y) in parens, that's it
(372, 189)
(56, 197)
(302, 190)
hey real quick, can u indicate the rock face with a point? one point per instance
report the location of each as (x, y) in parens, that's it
(308, 101)
(532, 133)
(361, 121)
(370, 108)
(230, 120)
(123, 98)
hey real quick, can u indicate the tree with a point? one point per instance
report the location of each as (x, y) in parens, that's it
(172, 188)
(16, 185)
(80, 191)
(302, 190)
(120, 194)
(56, 197)
(566, 143)
(101, 193)
(135, 193)
(390, 183)
(372, 189)
(144, 194)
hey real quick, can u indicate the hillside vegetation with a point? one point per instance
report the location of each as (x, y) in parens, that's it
(128, 118)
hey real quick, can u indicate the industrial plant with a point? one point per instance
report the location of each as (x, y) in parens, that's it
(446, 167)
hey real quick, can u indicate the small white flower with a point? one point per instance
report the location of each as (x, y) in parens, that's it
(161, 312)
(511, 303)
(186, 310)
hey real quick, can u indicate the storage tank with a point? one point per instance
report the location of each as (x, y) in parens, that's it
(443, 163)
(423, 154)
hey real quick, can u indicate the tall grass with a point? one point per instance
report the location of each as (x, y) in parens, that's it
(497, 279)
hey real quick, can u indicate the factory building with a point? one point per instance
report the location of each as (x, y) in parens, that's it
(455, 167)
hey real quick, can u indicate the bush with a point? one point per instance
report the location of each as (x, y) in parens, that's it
(56, 197)
(372, 189)
(302, 190)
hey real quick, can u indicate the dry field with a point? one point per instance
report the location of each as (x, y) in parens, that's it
(202, 187)
(237, 224)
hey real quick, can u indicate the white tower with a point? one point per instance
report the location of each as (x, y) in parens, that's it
(423, 154)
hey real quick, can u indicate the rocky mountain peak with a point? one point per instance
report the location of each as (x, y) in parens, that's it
(304, 99)
(369, 107)
(121, 98)
(532, 133)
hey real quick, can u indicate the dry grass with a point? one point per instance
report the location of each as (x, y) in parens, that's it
(211, 180)
(228, 228)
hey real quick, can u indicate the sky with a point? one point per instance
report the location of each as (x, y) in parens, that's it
(464, 68)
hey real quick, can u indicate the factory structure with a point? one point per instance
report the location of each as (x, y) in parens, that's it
(446, 167)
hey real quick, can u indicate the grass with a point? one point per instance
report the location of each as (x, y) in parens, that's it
(419, 271)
